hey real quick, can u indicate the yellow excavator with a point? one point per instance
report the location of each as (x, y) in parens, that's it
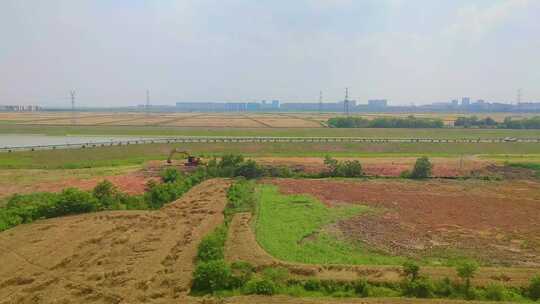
(192, 161)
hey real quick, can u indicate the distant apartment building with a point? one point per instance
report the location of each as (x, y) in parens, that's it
(377, 103)
(465, 101)
(227, 106)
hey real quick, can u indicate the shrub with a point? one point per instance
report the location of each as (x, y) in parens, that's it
(361, 288)
(157, 195)
(261, 287)
(278, 275)
(419, 288)
(211, 276)
(242, 272)
(444, 288)
(495, 292)
(312, 285)
(411, 270)
(230, 160)
(422, 168)
(249, 169)
(212, 246)
(534, 288)
(74, 201)
(343, 169)
(106, 194)
(170, 175)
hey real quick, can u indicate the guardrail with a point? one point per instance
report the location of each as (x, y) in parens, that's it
(259, 139)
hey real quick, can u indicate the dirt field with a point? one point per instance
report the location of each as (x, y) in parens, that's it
(242, 246)
(497, 223)
(110, 257)
(232, 120)
(442, 167)
(132, 181)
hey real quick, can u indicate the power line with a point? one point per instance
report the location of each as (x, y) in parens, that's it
(320, 102)
(346, 102)
(73, 115)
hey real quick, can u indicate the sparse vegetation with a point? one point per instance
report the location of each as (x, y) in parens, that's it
(385, 122)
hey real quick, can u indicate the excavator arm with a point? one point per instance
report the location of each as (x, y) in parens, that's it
(177, 151)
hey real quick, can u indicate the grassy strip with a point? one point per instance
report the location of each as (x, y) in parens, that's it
(10, 128)
(292, 228)
(138, 154)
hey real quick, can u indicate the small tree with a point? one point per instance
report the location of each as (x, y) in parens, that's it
(106, 193)
(422, 168)
(411, 270)
(466, 272)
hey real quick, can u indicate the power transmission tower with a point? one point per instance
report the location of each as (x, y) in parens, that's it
(346, 102)
(147, 103)
(518, 99)
(320, 102)
(73, 115)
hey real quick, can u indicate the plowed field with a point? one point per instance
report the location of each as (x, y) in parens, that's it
(497, 223)
(110, 257)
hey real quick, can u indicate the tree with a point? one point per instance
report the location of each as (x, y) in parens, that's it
(411, 270)
(106, 193)
(466, 272)
(422, 168)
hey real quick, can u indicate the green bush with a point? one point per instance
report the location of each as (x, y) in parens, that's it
(312, 285)
(278, 275)
(230, 160)
(343, 169)
(249, 169)
(241, 197)
(211, 276)
(534, 288)
(106, 194)
(261, 287)
(422, 168)
(242, 272)
(411, 270)
(385, 122)
(170, 175)
(419, 288)
(212, 246)
(361, 288)
(74, 201)
(444, 288)
(495, 292)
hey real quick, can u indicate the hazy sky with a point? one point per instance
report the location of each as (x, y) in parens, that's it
(202, 50)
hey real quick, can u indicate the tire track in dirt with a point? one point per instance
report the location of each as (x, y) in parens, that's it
(110, 257)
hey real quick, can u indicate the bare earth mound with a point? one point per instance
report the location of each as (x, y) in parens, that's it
(495, 222)
(110, 257)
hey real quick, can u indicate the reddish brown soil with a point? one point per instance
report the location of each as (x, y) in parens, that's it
(110, 257)
(496, 222)
(442, 167)
(132, 183)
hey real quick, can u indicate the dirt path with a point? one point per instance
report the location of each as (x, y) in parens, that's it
(110, 257)
(242, 246)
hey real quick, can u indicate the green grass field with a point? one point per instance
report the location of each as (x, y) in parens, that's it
(138, 154)
(291, 228)
(9, 128)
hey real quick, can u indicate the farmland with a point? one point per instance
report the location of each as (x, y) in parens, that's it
(480, 205)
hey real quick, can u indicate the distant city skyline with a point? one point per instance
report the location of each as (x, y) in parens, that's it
(405, 51)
